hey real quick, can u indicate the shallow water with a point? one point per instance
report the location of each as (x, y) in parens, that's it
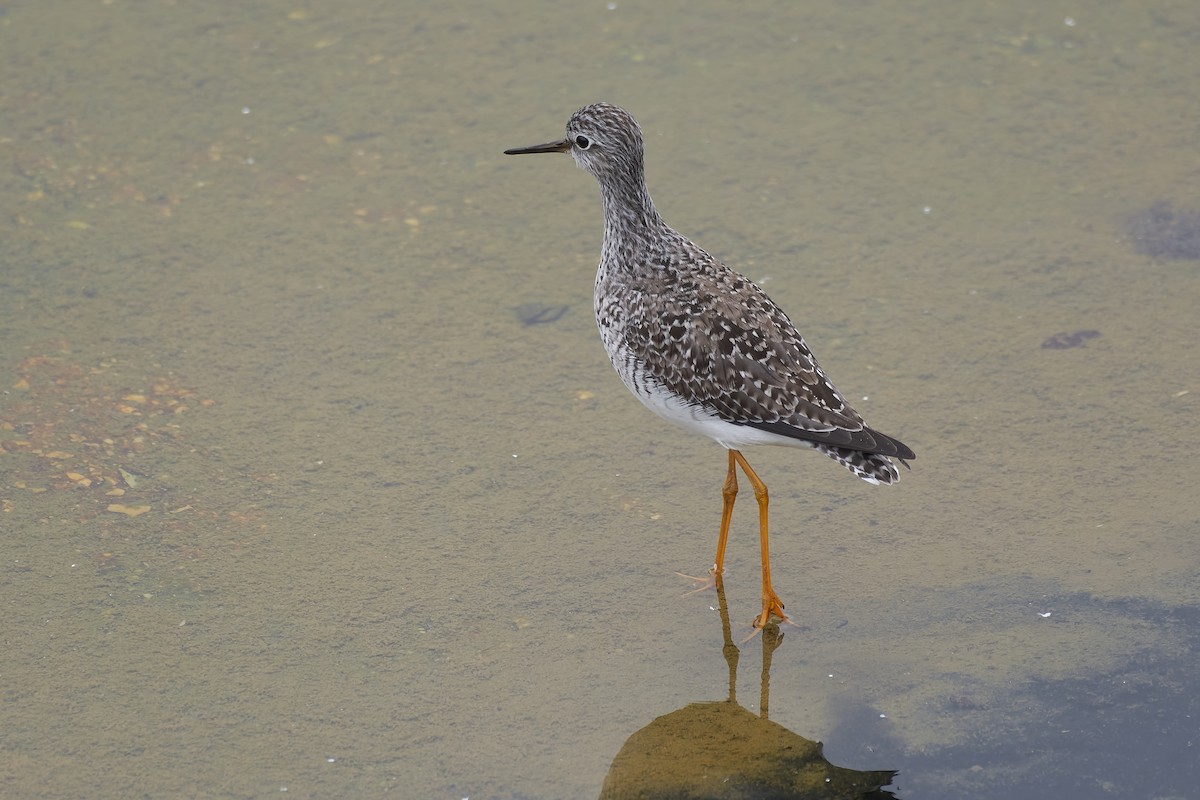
(301, 491)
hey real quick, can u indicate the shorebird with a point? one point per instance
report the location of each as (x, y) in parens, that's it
(703, 346)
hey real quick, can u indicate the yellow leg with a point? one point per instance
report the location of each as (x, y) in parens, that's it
(728, 494)
(771, 604)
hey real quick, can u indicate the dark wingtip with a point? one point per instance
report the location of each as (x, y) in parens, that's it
(866, 440)
(900, 451)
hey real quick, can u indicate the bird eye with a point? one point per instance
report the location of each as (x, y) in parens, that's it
(583, 142)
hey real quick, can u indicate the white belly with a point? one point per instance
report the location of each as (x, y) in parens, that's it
(698, 419)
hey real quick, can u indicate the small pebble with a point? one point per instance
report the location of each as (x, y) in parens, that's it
(1065, 341)
(537, 314)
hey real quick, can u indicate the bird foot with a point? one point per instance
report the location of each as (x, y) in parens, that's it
(711, 581)
(772, 609)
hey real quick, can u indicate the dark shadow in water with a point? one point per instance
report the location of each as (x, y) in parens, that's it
(1132, 732)
(1162, 231)
(719, 749)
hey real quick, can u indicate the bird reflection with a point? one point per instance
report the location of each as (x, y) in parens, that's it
(719, 749)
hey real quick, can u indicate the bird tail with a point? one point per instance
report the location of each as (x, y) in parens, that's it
(871, 467)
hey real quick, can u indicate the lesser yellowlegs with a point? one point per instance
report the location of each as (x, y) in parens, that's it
(703, 346)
